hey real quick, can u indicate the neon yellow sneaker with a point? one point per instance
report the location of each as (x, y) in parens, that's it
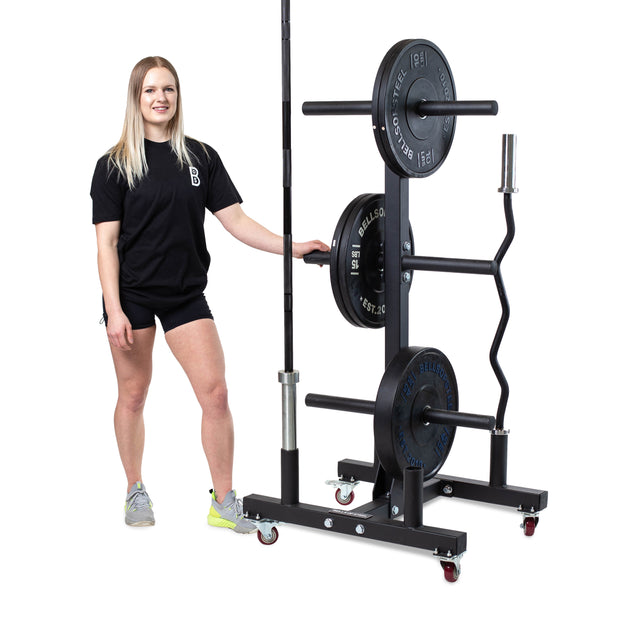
(137, 508)
(228, 514)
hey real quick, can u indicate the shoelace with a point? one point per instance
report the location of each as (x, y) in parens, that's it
(238, 508)
(139, 500)
(235, 508)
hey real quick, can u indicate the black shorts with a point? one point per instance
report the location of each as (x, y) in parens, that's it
(142, 317)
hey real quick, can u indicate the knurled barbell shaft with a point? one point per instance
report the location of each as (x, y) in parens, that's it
(435, 416)
(423, 108)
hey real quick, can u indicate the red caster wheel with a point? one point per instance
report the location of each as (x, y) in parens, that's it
(529, 526)
(451, 572)
(344, 501)
(268, 538)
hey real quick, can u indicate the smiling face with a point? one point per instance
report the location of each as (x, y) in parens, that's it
(158, 101)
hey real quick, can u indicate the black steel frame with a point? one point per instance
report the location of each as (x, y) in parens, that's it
(392, 497)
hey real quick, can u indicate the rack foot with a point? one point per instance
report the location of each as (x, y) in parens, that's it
(367, 522)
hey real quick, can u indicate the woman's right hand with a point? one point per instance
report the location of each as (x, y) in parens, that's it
(119, 331)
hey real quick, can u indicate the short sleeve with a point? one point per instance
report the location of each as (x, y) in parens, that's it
(221, 192)
(107, 192)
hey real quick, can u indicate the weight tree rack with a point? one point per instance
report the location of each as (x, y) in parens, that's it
(402, 482)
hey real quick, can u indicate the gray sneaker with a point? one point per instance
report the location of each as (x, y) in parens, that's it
(137, 510)
(228, 514)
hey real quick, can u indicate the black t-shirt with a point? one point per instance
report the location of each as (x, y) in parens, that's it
(162, 249)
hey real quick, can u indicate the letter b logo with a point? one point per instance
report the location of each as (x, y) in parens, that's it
(195, 180)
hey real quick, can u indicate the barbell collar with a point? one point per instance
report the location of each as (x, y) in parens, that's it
(288, 377)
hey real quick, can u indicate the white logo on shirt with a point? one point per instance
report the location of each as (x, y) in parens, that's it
(195, 180)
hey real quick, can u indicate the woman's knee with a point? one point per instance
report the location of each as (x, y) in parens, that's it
(132, 395)
(215, 399)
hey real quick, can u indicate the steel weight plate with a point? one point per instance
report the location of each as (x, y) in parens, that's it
(339, 259)
(411, 145)
(357, 262)
(416, 378)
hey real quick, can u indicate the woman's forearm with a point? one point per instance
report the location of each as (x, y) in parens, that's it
(253, 234)
(119, 329)
(107, 234)
(109, 273)
(248, 231)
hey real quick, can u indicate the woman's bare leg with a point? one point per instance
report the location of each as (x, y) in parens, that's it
(196, 345)
(133, 372)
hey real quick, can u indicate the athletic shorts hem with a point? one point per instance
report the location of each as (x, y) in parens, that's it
(142, 317)
(167, 328)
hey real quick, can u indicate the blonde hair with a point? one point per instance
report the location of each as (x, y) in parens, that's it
(128, 154)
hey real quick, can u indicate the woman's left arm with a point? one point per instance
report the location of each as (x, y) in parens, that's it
(247, 230)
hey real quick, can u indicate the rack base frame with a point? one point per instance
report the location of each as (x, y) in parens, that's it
(381, 520)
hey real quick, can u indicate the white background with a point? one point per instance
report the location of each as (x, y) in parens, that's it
(564, 74)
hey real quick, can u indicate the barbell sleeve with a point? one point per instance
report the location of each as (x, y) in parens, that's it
(318, 257)
(508, 175)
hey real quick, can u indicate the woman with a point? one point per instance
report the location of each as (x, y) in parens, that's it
(149, 198)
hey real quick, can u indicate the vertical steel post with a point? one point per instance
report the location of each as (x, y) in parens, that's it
(289, 377)
(396, 290)
(396, 282)
(498, 459)
(413, 496)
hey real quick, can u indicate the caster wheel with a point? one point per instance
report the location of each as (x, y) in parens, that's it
(269, 538)
(451, 573)
(344, 501)
(529, 526)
